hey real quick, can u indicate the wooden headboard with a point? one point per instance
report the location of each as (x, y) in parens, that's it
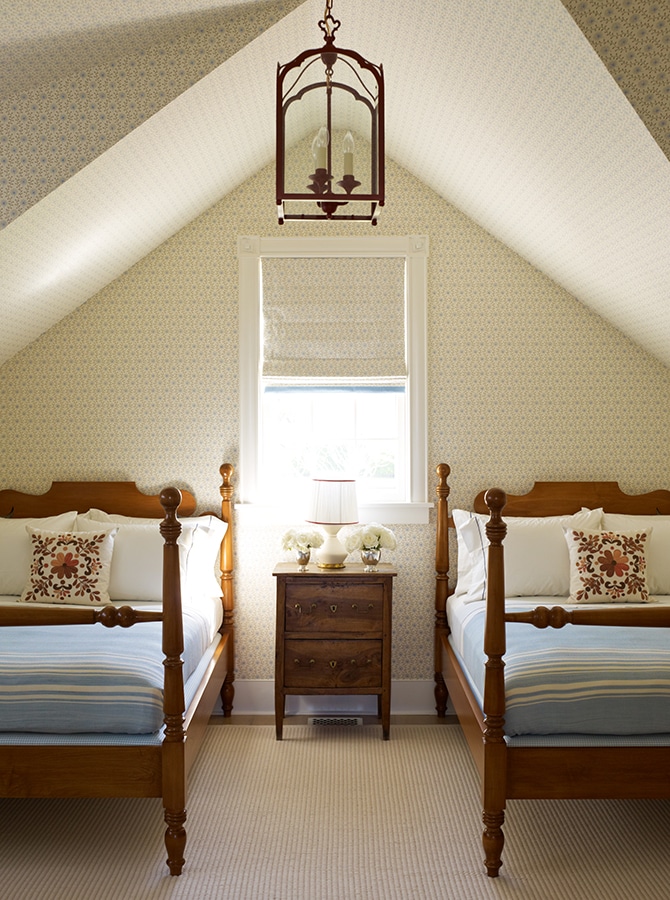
(546, 498)
(562, 498)
(120, 497)
(124, 498)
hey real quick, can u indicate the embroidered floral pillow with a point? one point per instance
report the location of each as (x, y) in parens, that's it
(70, 568)
(608, 566)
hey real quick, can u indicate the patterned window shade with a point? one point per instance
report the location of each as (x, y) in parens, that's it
(334, 317)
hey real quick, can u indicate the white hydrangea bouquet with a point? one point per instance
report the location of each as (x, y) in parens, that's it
(302, 539)
(370, 537)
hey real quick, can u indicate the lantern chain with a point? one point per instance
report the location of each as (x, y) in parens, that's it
(329, 24)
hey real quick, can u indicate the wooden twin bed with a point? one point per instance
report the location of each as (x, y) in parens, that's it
(127, 765)
(620, 759)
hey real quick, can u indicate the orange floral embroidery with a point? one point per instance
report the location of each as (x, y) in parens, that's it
(64, 565)
(66, 568)
(613, 562)
(610, 567)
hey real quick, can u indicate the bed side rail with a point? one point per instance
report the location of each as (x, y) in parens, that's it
(558, 616)
(110, 616)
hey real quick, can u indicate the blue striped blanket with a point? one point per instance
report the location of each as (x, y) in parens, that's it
(88, 678)
(576, 680)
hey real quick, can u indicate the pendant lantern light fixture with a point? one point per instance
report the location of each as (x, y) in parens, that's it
(337, 96)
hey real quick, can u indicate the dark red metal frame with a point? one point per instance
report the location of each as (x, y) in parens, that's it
(319, 192)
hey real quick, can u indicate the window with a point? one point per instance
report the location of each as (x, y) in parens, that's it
(333, 370)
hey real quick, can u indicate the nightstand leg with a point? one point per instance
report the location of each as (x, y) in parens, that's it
(385, 713)
(280, 702)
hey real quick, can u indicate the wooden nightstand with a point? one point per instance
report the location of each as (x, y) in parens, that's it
(333, 634)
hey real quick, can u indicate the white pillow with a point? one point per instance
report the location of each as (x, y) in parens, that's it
(137, 564)
(69, 568)
(658, 546)
(99, 515)
(203, 567)
(537, 562)
(472, 563)
(16, 548)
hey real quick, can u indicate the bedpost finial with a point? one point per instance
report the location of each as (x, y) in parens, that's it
(226, 471)
(443, 472)
(226, 489)
(170, 499)
(495, 499)
(496, 529)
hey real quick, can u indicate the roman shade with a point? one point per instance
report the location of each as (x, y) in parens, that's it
(336, 318)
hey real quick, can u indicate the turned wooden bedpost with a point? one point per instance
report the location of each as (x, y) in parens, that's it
(226, 489)
(173, 762)
(441, 582)
(494, 784)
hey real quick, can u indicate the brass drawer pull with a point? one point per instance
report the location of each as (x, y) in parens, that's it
(298, 662)
(354, 605)
(371, 606)
(298, 608)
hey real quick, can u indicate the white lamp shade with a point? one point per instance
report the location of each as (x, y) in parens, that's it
(333, 502)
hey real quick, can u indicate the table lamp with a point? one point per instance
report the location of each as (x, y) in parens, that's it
(332, 505)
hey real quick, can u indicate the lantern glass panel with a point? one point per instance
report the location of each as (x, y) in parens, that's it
(352, 110)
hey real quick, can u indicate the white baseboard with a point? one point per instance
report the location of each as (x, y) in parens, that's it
(256, 697)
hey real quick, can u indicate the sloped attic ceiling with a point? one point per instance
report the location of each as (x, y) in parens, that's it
(503, 108)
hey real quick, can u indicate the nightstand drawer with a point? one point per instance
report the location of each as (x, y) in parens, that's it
(315, 605)
(332, 664)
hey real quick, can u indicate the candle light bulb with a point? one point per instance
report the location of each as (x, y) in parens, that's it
(348, 150)
(319, 148)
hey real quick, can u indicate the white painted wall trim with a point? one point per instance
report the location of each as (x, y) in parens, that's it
(410, 697)
(415, 250)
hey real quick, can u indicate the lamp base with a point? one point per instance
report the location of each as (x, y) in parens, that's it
(331, 554)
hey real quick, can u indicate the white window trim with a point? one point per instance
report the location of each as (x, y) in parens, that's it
(414, 249)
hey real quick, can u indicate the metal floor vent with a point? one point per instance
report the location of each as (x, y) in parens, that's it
(334, 720)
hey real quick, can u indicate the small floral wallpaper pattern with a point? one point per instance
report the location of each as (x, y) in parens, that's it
(85, 91)
(66, 100)
(632, 38)
(524, 384)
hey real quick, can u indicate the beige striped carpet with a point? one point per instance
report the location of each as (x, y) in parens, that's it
(333, 813)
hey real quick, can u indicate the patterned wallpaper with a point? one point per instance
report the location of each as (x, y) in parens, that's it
(632, 38)
(524, 383)
(66, 99)
(84, 92)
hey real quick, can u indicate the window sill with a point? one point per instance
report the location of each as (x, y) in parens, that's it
(384, 513)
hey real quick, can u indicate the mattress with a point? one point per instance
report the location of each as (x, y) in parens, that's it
(578, 680)
(91, 679)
